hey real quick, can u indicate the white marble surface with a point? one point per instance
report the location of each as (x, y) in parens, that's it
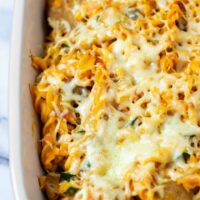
(6, 8)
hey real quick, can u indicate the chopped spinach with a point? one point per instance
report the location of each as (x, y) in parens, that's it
(185, 156)
(71, 191)
(38, 78)
(64, 45)
(81, 132)
(66, 176)
(88, 165)
(132, 122)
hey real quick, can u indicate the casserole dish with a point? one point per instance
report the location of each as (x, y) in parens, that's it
(24, 162)
(120, 110)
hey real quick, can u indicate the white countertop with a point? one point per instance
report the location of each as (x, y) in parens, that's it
(6, 7)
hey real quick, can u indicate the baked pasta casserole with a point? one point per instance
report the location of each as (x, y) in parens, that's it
(118, 95)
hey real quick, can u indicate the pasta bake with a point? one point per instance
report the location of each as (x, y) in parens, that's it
(118, 95)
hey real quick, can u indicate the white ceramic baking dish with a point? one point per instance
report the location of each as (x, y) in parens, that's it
(27, 35)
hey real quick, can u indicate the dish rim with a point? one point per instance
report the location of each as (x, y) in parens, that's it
(14, 126)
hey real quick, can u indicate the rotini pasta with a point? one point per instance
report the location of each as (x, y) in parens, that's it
(118, 95)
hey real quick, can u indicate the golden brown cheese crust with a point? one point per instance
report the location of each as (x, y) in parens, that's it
(118, 95)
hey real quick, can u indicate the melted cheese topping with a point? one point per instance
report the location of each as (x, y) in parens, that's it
(119, 98)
